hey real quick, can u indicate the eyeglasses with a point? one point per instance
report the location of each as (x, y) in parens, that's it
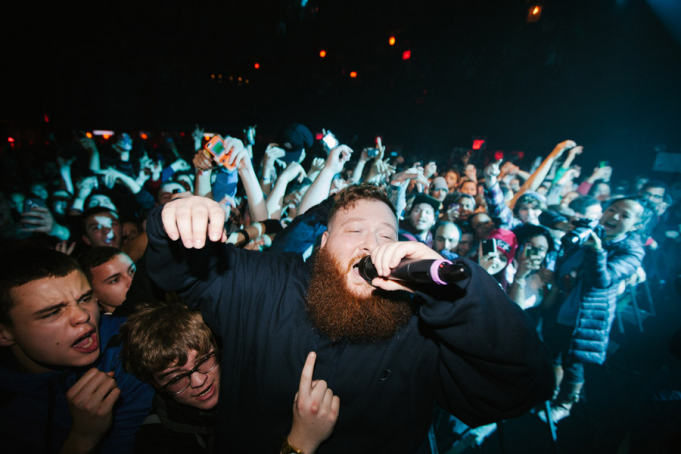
(180, 383)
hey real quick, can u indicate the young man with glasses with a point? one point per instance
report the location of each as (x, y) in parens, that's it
(170, 347)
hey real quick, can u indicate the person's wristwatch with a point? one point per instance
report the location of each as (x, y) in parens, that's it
(288, 449)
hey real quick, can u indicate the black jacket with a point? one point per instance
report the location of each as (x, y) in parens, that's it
(470, 349)
(173, 428)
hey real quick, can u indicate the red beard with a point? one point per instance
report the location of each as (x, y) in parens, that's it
(338, 313)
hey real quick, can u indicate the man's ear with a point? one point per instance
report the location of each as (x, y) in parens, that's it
(325, 237)
(6, 337)
(86, 240)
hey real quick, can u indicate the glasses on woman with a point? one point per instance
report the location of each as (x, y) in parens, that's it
(179, 383)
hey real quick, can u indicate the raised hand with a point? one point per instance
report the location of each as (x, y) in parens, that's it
(561, 147)
(87, 143)
(430, 169)
(527, 263)
(86, 186)
(197, 134)
(337, 158)
(110, 176)
(203, 161)
(491, 172)
(38, 219)
(240, 157)
(273, 155)
(315, 411)
(192, 219)
(508, 169)
(292, 172)
(316, 166)
(249, 134)
(180, 165)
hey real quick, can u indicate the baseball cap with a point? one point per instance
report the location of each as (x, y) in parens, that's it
(422, 198)
(293, 140)
(506, 242)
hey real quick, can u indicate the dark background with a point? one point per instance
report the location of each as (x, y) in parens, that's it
(603, 73)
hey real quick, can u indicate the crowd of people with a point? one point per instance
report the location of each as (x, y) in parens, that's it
(204, 297)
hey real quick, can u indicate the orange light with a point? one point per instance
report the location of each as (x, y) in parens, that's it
(353, 74)
(212, 76)
(391, 41)
(106, 136)
(534, 13)
(88, 135)
(322, 53)
(257, 66)
(144, 136)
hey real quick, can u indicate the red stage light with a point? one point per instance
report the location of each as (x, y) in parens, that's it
(257, 66)
(478, 143)
(144, 136)
(47, 119)
(498, 155)
(406, 55)
(319, 136)
(10, 140)
(353, 74)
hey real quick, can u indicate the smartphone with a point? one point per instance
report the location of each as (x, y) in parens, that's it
(216, 147)
(372, 152)
(330, 141)
(531, 251)
(30, 203)
(489, 247)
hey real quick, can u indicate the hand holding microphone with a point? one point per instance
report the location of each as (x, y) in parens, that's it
(391, 265)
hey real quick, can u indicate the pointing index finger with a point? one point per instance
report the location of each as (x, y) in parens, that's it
(306, 377)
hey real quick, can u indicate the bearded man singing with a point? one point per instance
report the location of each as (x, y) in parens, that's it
(389, 350)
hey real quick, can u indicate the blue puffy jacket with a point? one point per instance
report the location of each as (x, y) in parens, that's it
(598, 283)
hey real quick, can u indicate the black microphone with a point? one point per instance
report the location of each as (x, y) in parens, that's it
(441, 272)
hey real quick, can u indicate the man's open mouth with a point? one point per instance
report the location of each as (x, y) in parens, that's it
(87, 343)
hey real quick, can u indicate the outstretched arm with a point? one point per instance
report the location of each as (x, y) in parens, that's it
(319, 191)
(539, 175)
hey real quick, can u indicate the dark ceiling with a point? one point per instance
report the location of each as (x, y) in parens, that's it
(604, 73)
